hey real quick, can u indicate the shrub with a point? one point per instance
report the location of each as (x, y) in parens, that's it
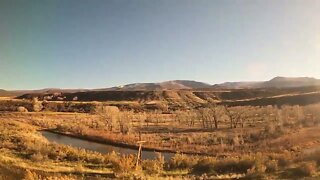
(271, 166)
(37, 157)
(306, 169)
(124, 166)
(257, 171)
(284, 159)
(96, 158)
(313, 156)
(204, 166)
(181, 161)
(152, 167)
(111, 157)
(74, 155)
(233, 166)
(22, 109)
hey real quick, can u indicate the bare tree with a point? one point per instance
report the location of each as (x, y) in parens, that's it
(125, 122)
(36, 104)
(108, 115)
(235, 116)
(186, 117)
(210, 117)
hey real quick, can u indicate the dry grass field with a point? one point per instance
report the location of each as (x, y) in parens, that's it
(216, 141)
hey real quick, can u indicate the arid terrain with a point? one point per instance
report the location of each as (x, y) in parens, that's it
(197, 132)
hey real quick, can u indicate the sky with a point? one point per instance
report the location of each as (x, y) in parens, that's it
(104, 43)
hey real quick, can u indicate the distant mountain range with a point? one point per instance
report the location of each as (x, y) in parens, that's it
(5, 93)
(277, 82)
(167, 85)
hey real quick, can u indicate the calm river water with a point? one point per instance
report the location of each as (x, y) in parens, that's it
(98, 147)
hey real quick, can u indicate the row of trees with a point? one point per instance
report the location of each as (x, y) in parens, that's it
(214, 116)
(37, 106)
(208, 118)
(211, 117)
(115, 120)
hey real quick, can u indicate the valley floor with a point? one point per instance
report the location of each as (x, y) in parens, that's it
(251, 152)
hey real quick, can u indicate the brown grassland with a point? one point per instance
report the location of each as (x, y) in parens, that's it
(215, 141)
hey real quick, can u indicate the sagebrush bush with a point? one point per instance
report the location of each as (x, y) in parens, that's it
(37, 157)
(181, 161)
(233, 166)
(204, 166)
(272, 166)
(152, 167)
(284, 159)
(313, 156)
(306, 169)
(124, 166)
(22, 109)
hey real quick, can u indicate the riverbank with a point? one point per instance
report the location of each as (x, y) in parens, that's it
(25, 154)
(102, 147)
(121, 144)
(222, 142)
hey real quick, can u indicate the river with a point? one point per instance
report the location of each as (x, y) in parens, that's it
(99, 147)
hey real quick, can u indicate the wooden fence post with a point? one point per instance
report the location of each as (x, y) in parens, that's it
(139, 153)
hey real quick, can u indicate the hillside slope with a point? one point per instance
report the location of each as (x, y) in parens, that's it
(167, 85)
(4, 93)
(192, 98)
(277, 82)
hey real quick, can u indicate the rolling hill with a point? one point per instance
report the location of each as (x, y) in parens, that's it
(4, 93)
(277, 82)
(186, 94)
(167, 85)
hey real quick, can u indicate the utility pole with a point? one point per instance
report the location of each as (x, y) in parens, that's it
(139, 153)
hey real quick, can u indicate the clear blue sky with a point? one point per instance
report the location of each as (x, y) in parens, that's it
(103, 43)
